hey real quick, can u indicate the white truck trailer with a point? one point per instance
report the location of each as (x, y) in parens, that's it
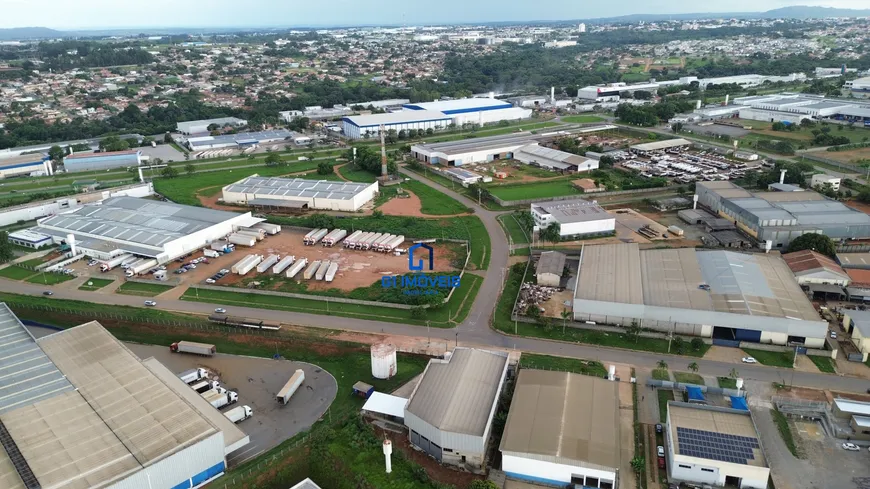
(239, 413)
(259, 235)
(114, 262)
(334, 237)
(394, 243)
(354, 243)
(209, 253)
(321, 270)
(290, 387)
(205, 385)
(247, 267)
(283, 264)
(193, 375)
(296, 268)
(142, 265)
(309, 272)
(308, 236)
(220, 399)
(204, 349)
(268, 227)
(379, 244)
(268, 263)
(239, 264)
(242, 240)
(348, 242)
(316, 237)
(331, 271)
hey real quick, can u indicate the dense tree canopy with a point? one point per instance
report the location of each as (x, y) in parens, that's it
(816, 242)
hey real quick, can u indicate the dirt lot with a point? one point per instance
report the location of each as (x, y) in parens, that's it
(356, 268)
(409, 206)
(858, 206)
(851, 156)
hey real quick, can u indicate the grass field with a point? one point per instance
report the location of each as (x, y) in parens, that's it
(47, 278)
(433, 202)
(727, 382)
(784, 428)
(542, 190)
(355, 174)
(824, 364)
(664, 397)
(661, 374)
(513, 229)
(581, 119)
(688, 378)
(443, 316)
(142, 289)
(95, 284)
(575, 365)
(15, 272)
(783, 359)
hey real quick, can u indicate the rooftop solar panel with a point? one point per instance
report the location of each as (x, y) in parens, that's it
(716, 446)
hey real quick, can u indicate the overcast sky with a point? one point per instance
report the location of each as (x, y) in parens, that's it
(102, 14)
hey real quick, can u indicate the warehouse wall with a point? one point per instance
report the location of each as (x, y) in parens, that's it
(472, 447)
(99, 162)
(548, 472)
(184, 469)
(588, 227)
(200, 239)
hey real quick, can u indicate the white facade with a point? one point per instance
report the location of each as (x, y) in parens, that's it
(821, 277)
(821, 179)
(598, 220)
(859, 85)
(753, 114)
(489, 116)
(551, 473)
(190, 467)
(322, 194)
(196, 127)
(368, 126)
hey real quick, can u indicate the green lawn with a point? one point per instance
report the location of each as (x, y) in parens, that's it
(15, 272)
(784, 428)
(727, 382)
(783, 359)
(95, 284)
(688, 378)
(33, 263)
(539, 190)
(661, 374)
(575, 365)
(433, 202)
(824, 364)
(442, 316)
(581, 119)
(356, 174)
(50, 278)
(513, 229)
(664, 397)
(145, 290)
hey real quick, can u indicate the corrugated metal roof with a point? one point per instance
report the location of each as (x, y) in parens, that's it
(297, 188)
(306, 484)
(610, 273)
(551, 262)
(809, 261)
(578, 210)
(400, 117)
(457, 395)
(660, 145)
(564, 418)
(671, 279)
(853, 407)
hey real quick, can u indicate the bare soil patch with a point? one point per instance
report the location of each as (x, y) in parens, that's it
(850, 156)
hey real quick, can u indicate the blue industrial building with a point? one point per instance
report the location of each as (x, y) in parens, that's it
(461, 106)
(25, 165)
(102, 161)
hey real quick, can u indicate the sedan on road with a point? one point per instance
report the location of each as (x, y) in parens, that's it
(749, 360)
(48, 292)
(851, 447)
(150, 303)
(220, 310)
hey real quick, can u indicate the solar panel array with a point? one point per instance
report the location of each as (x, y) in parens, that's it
(716, 446)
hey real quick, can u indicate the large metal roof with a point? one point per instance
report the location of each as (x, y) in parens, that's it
(578, 210)
(26, 373)
(564, 418)
(805, 262)
(119, 418)
(506, 141)
(288, 188)
(401, 117)
(610, 273)
(457, 395)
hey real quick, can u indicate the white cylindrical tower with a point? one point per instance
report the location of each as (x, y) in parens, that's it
(695, 201)
(388, 450)
(611, 374)
(727, 98)
(71, 241)
(384, 361)
(739, 383)
(141, 178)
(697, 105)
(553, 95)
(782, 175)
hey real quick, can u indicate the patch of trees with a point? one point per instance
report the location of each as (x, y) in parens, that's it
(651, 115)
(816, 242)
(66, 55)
(369, 159)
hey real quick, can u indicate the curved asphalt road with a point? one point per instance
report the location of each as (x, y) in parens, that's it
(475, 329)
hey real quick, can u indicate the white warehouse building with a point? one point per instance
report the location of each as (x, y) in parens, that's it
(201, 126)
(575, 217)
(368, 126)
(563, 428)
(474, 110)
(160, 230)
(714, 445)
(299, 193)
(80, 410)
(449, 414)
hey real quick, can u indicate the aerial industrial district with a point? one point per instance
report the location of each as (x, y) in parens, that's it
(653, 283)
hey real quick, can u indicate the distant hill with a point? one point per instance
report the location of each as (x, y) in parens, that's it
(797, 12)
(803, 12)
(22, 33)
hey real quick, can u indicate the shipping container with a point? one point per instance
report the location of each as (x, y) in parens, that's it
(247, 267)
(294, 270)
(353, 245)
(204, 385)
(283, 264)
(290, 387)
(268, 263)
(334, 237)
(142, 265)
(239, 413)
(205, 349)
(379, 244)
(367, 244)
(309, 235)
(309, 272)
(257, 235)
(316, 237)
(331, 271)
(321, 270)
(242, 240)
(193, 375)
(676, 230)
(268, 227)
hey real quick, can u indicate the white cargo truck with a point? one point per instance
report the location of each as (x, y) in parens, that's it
(267, 263)
(331, 271)
(290, 387)
(248, 266)
(193, 375)
(316, 237)
(205, 385)
(239, 413)
(220, 399)
(309, 272)
(204, 349)
(208, 253)
(268, 227)
(283, 264)
(348, 242)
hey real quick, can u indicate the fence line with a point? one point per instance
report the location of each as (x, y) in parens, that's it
(514, 203)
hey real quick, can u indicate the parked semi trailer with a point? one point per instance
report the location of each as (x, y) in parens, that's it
(205, 385)
(321, 270)
(114, 262)
(316, 237)
(204, 349)
(193, 375)
(239, 413)
(393, 244)
(241, 239)
(283, 264)
(268, 263)
(248, 266)
(348, 241)
(379, 244)
(335, 237)
(220, 399)
(290, 387)
(242, 263)
(244, 322)
(308, 236)
(296, 268)
(309, 272)
(268, 227)
(331, 271)
(258, 234)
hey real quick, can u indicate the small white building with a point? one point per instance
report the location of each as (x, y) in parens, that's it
(474, 110)
(563, 428)
(767, 115)
(745, 156)
(820, 179)
(299, 193)
(714, 445)
(554, 159)
(29, 239)
(449, 415)
(811, 268)
(575, 217)
(201, 126)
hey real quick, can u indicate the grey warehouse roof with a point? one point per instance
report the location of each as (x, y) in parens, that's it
(659, 145)
(400, 117)
(860, 320)
(551, 262)
(567, 211)
(477, 144)
(296, 187)
(457, 395)
(146, 223)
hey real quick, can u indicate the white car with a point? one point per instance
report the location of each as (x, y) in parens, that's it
(851, 447)
(150, 303)
(660, 451)
(833, 335)
(191, 266)
(209, 280)
(220, 310)
(224, 271)
(749, 360)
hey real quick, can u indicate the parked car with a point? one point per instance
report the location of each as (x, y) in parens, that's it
(658, 428)
(220, 310)
(150, 303)
(224, 271)
(209, 280)
(660, 451)
(92, 263)
(749, 360)
(191, 266)
(833, 335)
(48, 292)
(661, 462)
(851, 447)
